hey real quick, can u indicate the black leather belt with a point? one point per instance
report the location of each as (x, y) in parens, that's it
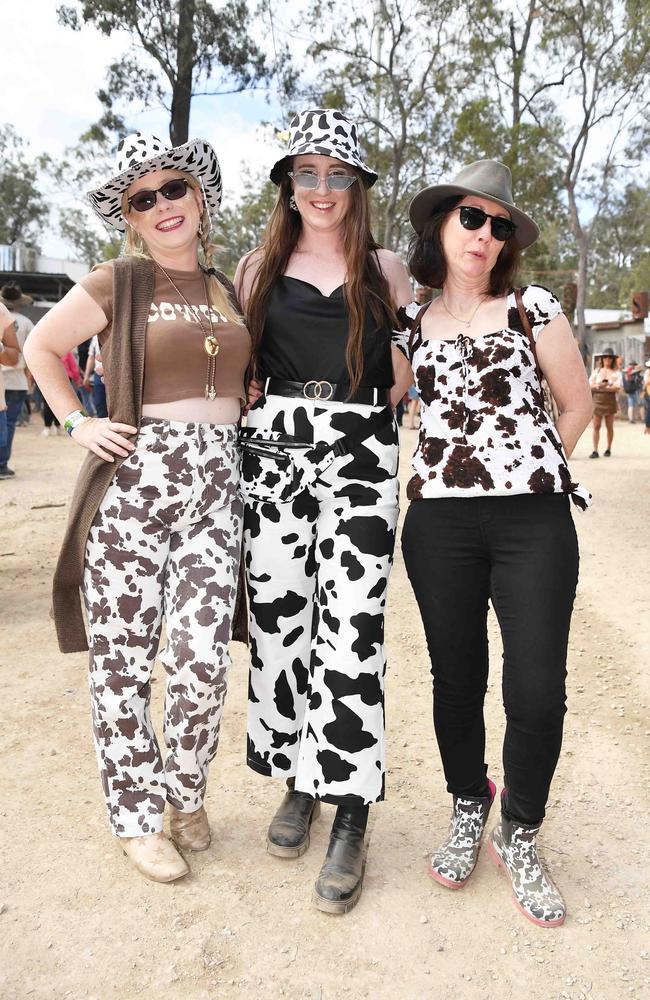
(322, 391)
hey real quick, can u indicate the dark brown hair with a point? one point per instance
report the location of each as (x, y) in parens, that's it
(365, 285)
(427, 262)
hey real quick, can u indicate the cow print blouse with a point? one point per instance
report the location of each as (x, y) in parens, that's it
(484, 429)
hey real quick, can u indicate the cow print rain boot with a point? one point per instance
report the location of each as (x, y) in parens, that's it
(340, 881)
(288, 834)
(513, 847)
(453, 863)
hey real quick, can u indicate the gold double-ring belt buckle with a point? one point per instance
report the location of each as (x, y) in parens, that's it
(317, 392)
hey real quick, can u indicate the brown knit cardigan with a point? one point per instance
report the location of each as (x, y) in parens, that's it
(123, 361)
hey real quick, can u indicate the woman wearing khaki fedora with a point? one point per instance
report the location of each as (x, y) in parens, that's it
(319, 479)
(606, 382)
(155, 522)
(490, 515)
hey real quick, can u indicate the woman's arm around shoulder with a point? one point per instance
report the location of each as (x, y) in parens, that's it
(397, 277)
(401, 294)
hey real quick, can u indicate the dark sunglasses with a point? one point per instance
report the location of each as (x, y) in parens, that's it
(142, 201)
(475, 218)
(310, 181)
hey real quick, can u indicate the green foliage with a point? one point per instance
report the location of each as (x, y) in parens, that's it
(86, 242)
(621, 249)
(241, 228)
(23, 210)
(397, 69)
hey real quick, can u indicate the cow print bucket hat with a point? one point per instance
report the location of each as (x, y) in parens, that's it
(328, 133)
(139, 154)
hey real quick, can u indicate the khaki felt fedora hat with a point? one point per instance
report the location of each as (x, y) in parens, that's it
(486, 179)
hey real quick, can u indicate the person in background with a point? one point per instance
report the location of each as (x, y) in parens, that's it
(646, 396)
(84, 389)
(9, 354)
(93, 373)
(15, 376)
(606, 383)
(633, 388)
(413, 409)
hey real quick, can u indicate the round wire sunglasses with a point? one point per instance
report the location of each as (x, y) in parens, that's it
(333, 182)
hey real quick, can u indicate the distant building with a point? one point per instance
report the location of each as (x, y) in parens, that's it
(46, 279)
(627, 332)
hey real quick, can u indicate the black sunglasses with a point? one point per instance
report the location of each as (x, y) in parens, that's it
(475, 218)
(172, 190)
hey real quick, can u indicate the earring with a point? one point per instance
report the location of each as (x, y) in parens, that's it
(200, 231)
(292, 204)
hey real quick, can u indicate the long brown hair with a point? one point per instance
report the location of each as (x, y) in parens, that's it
(135, 246)
(365, 286)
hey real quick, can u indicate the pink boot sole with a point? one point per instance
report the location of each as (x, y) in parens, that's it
(534, 920)
(447, 882)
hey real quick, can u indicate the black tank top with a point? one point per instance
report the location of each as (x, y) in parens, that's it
(306, 333)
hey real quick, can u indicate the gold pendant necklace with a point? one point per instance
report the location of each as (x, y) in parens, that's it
(466, 322)
(211, 345)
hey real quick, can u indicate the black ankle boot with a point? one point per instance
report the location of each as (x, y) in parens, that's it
(288, 835)
(339, 884)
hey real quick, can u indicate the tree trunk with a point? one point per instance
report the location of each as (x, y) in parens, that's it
(388, 240)
(582, 241)
(179, 126)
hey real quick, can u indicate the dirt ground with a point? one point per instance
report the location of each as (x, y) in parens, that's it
(76, 921)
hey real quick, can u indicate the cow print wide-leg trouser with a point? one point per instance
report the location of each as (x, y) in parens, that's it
(165, 541)
(319, 548)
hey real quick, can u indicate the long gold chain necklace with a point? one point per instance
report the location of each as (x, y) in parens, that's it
(211, 345)
(466, 322)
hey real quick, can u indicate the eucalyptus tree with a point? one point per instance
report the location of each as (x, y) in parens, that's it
(179, 49)
(398, 68)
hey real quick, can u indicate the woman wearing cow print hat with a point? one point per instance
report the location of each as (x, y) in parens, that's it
(155, 522)
(319, 478)
(490, 517)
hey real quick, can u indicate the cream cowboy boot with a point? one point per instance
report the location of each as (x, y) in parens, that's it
(155, 857)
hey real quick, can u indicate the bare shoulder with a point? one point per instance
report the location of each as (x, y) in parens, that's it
(396, 275)
(246, 273)
(389, 262)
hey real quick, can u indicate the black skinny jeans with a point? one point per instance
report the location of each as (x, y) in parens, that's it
(521, 552)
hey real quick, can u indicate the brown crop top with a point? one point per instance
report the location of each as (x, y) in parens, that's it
(175, 361)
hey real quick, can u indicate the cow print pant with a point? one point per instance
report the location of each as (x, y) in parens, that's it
(319, 545)
(165, 541)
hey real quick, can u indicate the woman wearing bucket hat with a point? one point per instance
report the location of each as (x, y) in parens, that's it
(490, 516)
(319, 478)
(606, 382)
(155, 522)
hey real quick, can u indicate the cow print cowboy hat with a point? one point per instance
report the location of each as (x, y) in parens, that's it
(139, 154)
(328, 133)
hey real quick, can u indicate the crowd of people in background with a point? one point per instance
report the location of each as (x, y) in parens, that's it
(22, 397)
